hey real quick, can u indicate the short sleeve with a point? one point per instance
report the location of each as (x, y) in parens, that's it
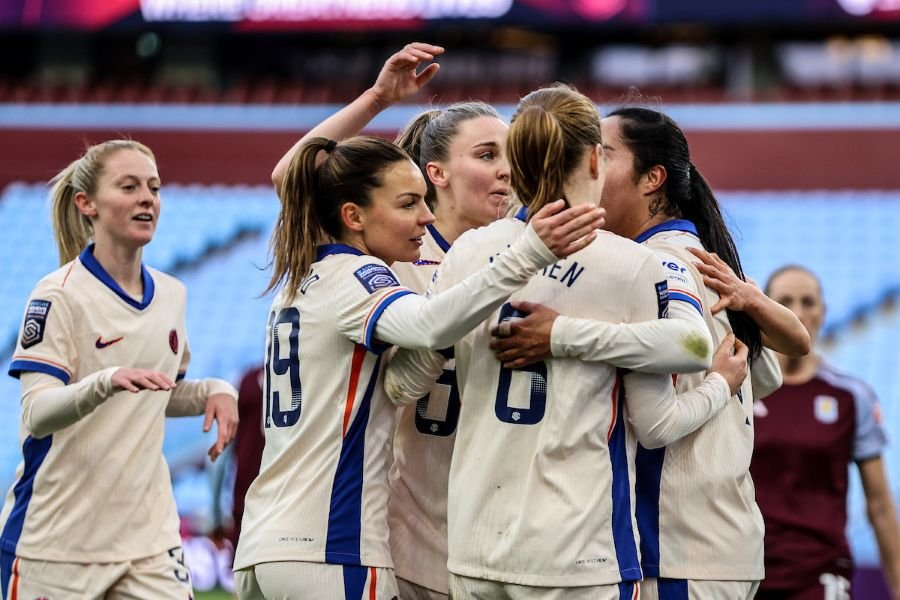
(869, 437)
(650, 295)
(45, 342)
(367, 287)
(684, 292)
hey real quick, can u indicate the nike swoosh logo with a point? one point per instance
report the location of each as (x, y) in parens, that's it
(101, 344)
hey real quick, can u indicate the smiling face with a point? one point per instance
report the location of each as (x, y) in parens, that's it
(392, 225)
(124, 208)
(473, 183)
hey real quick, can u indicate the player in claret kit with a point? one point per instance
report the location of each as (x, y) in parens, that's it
(806, 433)
(101, 357)
(315, 520)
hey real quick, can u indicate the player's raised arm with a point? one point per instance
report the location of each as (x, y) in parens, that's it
(399, 79)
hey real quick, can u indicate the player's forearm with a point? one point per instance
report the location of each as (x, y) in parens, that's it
(782, 330)
(661, 346)
(49, 406)
(411, 373)
(883, 517)
(347, 122)
(416, 323)
(660, 416)
(189, 397)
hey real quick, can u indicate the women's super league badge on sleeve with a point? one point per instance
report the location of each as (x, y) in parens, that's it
(375, 277)
(35, 322)
(173, 341)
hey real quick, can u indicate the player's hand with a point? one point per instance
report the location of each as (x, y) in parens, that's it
(223, 409)
(730, 361)
(398, 79)
(734, 292)
(135, 380)
(567, 231)
(520, 342)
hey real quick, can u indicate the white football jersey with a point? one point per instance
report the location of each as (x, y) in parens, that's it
(98, 490)
(541, 487)
(322, 491)
(423, 445)
(696, 505)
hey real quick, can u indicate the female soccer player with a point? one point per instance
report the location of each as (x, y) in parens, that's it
(462, 152)
(806, 433)
(540, 499)
(103, 342)
(315, 521)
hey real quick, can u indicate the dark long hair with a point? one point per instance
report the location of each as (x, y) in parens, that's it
(655, 139)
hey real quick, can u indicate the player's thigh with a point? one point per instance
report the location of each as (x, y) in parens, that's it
(164, 576)
(313, 581)
(695, 589)
(830, 586)
(63, 581)
(413, 591)
(467, 588)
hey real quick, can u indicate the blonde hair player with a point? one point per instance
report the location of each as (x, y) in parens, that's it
(540, 492)
(315, 522)
(103, 343)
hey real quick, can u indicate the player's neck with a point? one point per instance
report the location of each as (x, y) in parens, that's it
(450, 224)
(796, 371)
(123, 265)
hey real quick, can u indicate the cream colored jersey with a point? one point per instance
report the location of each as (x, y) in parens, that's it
(696, 505)
(541, 479)
(423, 445)
(99, 490)
(322, 492)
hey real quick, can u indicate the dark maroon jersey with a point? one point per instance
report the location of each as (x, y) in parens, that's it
(805, 437)
(248, 441)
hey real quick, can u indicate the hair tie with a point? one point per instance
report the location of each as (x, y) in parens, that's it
(330, 145)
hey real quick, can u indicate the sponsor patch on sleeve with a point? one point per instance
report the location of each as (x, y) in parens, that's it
(35, 322)
(662, 299)
(376, 277)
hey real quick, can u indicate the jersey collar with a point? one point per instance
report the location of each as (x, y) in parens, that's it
(93, 265)
(522, 214)
(329, 249)
(438, 238)
(672, 225)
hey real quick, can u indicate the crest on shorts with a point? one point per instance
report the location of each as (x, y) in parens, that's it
(375, 277)
(825, 409)
(35, 322)
(173, 341)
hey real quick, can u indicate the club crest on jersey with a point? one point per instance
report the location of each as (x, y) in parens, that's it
(173, 341)
(825, 409)
(375, 277)
(35, 321)
(662, 299)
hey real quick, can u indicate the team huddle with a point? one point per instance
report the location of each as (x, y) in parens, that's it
(478, 383)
